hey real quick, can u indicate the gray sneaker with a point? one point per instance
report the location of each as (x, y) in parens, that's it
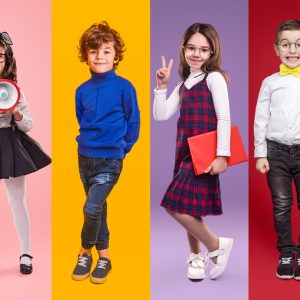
(101, 271)
(83, 267)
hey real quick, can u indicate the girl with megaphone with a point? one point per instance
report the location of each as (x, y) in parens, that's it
(19, 154)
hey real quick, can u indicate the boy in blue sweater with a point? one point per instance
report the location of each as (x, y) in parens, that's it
(108, 116)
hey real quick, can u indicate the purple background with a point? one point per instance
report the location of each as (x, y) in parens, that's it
(169, 246)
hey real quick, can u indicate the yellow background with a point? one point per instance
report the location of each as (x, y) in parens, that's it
(129, 202)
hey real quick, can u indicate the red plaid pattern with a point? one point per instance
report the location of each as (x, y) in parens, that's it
(200, 195)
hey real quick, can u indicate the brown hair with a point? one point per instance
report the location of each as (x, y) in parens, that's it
(214, 62)
(95, 36)
(10, 67)
(287, 25)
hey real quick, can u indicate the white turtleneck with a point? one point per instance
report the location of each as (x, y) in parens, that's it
(164, 108)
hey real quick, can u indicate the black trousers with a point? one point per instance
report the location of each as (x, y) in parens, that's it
(284, 164)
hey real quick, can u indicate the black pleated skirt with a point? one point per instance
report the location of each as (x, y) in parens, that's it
(19, 153)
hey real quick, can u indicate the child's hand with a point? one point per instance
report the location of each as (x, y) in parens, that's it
(17, 114)
(219, 165)
(262, 165)
(163, 74)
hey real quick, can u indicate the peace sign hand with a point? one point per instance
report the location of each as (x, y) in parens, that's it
(163, 74)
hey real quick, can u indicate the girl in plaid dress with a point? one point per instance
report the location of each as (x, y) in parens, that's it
(202, 98)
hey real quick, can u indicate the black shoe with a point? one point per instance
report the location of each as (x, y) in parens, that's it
(101, 271)
(83, 267)
(297, 269)
(285, 269)
(26, 269)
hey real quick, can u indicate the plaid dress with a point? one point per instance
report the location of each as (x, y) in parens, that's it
(199, 195)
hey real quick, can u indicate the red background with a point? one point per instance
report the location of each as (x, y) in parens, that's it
(264, 17)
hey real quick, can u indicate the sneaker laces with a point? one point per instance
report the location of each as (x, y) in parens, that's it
(298, 261)
(286, 260)
(82, 261)
(102, 264)
(197, 260)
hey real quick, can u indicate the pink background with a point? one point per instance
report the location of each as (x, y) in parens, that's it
(29, 26)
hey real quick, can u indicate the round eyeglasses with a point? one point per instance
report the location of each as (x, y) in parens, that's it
(191, 50)
(285, 45)
(2, 57)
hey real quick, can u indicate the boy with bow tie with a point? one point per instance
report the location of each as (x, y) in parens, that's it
(277, 141)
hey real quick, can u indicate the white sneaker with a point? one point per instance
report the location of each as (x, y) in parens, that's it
(197, 263)
(222, 254)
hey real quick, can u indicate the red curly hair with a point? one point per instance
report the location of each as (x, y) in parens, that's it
(95, 36)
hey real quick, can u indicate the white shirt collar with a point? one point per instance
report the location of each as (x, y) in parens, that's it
(195, 76)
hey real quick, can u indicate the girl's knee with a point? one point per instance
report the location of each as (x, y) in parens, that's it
(174, 214)
(170, 212)
(17, 206)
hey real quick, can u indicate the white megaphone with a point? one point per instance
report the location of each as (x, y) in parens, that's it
(9, 94)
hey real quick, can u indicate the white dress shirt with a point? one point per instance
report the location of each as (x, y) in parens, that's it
(164, 108)
(277, 115)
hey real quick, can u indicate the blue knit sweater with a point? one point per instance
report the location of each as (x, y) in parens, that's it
(108, 116)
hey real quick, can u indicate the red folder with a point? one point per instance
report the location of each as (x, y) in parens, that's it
(203, 149)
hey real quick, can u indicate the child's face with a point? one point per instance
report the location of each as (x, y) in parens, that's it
(197, 51)
(103, 59)
(288, 48)
(2, 60)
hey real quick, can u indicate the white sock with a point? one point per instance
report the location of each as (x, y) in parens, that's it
(17, 201)
(25, 260)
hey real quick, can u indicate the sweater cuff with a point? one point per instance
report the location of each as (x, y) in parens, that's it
(223, 153)
(160, 94)
(25, 124)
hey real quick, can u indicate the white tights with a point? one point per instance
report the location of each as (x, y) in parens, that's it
(17, 201)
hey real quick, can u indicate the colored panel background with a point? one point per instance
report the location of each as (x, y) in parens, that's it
(263, 258)
(128, 204)
(29, 25)
(169, 247)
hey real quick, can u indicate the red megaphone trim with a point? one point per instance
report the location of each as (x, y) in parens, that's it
(18, 92)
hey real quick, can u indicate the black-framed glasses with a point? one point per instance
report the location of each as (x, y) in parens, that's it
(2, 57)
(285, 45)
(191, 50)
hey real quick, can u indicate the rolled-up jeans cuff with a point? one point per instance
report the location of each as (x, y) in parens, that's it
(102, 245)
(87, 245)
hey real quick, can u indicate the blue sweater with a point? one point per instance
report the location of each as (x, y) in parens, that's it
(108, 116)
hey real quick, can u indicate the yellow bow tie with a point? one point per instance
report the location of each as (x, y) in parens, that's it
(284, 70)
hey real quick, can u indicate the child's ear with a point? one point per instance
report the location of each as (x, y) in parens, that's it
(116, 60)
(276, 50)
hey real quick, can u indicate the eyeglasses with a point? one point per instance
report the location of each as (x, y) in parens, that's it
(285, 45)
(191, 50)
(2, 57)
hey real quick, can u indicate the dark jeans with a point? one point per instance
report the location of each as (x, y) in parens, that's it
(98, 175)
(284, 164)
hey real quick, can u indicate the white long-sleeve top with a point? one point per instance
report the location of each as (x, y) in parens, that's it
(164, 108)
(277, 115)
(25, 124)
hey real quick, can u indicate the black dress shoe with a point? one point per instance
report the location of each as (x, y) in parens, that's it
(25, 269)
